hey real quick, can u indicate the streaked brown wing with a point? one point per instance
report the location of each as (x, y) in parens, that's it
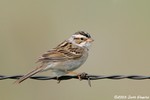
(58, 55)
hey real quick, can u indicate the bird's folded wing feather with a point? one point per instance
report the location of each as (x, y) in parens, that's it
(59, 55)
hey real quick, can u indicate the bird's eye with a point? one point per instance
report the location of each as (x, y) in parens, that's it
(82, 38)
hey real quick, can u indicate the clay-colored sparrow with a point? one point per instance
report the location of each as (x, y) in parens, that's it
(66, 57)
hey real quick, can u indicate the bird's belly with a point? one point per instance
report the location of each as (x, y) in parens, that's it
(74, 64)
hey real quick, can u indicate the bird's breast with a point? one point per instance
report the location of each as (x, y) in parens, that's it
(74, 64)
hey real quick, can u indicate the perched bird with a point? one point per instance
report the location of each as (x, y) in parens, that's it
(65, 58)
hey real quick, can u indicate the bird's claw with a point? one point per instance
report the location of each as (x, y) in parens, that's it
(84, 76)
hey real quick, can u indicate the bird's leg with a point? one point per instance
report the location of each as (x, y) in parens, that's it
(58, 80)
(75, 73)
(81, 76)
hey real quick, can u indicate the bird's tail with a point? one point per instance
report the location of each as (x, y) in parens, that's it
(33, 72)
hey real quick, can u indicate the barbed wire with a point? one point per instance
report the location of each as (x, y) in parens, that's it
(83, 76)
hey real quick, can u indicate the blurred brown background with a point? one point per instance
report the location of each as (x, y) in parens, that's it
(120, 28)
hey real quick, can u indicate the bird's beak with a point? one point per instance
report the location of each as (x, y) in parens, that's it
(90, 40)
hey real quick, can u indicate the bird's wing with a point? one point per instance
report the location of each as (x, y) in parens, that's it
(60, 55)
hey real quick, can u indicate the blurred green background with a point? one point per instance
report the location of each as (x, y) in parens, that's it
(120, 28)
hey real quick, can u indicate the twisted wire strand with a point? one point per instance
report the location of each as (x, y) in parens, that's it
(83, 77)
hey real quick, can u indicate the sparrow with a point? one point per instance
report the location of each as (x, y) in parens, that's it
(65, 58)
